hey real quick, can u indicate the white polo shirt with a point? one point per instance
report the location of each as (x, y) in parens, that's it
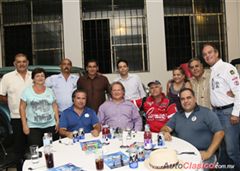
(133, 87)
(224, 77)
(12, 85)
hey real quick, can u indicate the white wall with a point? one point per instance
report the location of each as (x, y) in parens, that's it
(156, 37)
(233, 28)
(156, 43)
(72, 31)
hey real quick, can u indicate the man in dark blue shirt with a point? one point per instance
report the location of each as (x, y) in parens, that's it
(79, 116)
(197, 125)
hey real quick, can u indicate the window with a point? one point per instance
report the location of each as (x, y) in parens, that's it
(113, 30)
(33, 27)
(191, 23)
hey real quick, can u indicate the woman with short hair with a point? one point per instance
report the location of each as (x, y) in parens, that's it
(38, 109)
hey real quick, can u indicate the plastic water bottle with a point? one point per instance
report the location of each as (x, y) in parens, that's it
(147, 138)
(46, 139)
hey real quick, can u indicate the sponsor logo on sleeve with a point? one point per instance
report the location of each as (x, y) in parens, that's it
(232, 72)
(236, 82)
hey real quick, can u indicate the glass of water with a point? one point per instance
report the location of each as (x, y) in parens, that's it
(34, 154)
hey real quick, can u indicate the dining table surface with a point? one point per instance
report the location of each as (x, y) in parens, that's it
(65, 151)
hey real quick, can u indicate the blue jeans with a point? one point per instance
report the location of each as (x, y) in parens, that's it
(230, 147)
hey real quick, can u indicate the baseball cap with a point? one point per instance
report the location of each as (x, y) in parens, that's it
(153, 82)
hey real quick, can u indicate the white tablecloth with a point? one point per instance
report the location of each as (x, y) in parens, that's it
(72, 153)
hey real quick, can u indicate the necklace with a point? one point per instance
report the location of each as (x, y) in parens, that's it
(39, 89)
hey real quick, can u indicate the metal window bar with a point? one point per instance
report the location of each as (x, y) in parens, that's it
(125, 37)
(52, 16)
(173, 8)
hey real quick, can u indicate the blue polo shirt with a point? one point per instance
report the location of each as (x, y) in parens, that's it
(72, 121)
(198, 129)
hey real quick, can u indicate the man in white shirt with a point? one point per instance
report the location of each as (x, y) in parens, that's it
(131, 82)
(11, 87)
(224, 79)
(63, 85)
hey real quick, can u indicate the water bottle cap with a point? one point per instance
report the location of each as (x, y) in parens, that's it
(147, 127)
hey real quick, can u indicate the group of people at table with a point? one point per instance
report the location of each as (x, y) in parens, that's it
(203, 110)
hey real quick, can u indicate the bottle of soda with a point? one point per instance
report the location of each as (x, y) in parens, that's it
(105, 134)
(147, 138)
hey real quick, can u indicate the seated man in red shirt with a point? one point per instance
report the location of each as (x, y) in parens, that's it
(157, 108)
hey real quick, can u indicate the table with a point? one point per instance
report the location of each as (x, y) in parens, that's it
(66, 152)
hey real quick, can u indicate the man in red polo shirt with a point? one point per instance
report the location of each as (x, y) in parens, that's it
(157, 108)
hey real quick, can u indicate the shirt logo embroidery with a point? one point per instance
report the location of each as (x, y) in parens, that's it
(194, 118)
(149, 103)
(86, 115)
(156, 117)
(232, 72)
(236, 82)
(215, 84)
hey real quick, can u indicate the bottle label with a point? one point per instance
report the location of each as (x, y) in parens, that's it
(148, 143)
(141, 155)
(105, 139)
(46, 141)
(161, 142)
(81, 134)
(133, 160)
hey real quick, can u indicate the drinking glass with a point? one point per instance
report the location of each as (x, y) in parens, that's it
(34, 153)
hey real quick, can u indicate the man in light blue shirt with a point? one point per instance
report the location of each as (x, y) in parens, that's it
(63, 85)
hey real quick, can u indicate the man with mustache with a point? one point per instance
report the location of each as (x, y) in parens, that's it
(79, 116)
(11, 88)
(63, 85)
(200, 82)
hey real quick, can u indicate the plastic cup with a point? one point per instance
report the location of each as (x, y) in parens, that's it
(99, 161)
(48, 157)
